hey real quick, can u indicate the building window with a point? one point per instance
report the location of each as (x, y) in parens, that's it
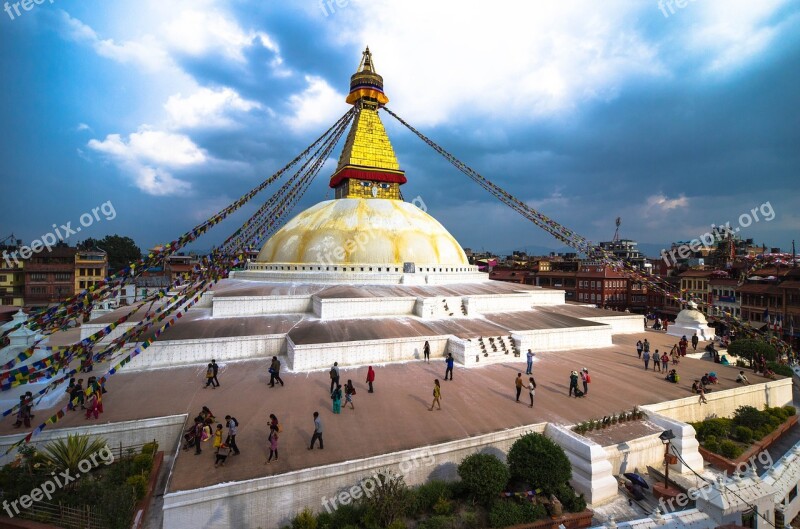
(38, 277)
(38, 290)
(83, 284)
(63, 277)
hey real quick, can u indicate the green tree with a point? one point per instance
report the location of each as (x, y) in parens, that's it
(750, 349)
(539, 462)
(389, 499)
(484, 475)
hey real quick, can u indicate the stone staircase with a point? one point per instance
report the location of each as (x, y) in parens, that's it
(496, 346)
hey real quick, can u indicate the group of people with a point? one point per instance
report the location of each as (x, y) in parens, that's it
(658, 324)
(347, 391)
(89, 399)
(201, 431)
(211, 375)
(584, 377)
(25, 411)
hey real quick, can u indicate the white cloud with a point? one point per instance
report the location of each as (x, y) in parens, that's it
(519, 60)
(145, 155)
(661, 202)
(206, 108)
(209, 32)
(147, 52)
(82, 127)
(317, 105)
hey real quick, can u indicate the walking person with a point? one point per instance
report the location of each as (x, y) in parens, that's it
(702, 390)
(215, 368)
(91, 406)
(198, 435)
(210, 377)
(24, 413)
(349, 391)
(646, 358)
(275, 372)
(233, 428)
(370, 378)
(334, 374)
(657, 361)
(573, 384)
(317, 432)
(639, 348)
(529, 367)
(273, 447)
(437, 395)
(426, 351)
(585, 378)
(664, 361)
(531, 390)
(695, 341)
(449, 371)
(336, 396)
(518, 384)
(646, 346)
(77, 395)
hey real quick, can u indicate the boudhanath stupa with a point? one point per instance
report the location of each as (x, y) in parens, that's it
(369, 278)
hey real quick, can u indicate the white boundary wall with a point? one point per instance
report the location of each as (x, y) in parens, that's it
(186, 352)
(333, 308)
(234, 306)
(360, 353)
(592, 337)
(724, 403)
(166, 431)
(621, 324)
(272, 501)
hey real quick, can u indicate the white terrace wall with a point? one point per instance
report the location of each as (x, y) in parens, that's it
(260, 305)
(326, 309)
(166, 431)
(88, 329)
(724, 403)
(622, 324)
(323, 355)
(563, 339)
(253, 503)
(171, 353)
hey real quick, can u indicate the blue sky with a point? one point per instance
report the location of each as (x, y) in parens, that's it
(672, 118)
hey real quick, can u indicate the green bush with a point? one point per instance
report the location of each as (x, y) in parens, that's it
(749, 348)
(139, 484)
(397, 524)
(507, 512)
(389, 499)
(571, 501)
(469, 520)
(438, 522)
(425, 496)
(779, 413)
(718, 427)
(750, 417)
(743, 434)
(325, 520)
(539, 462)
(780, 369)
(117, 505)
(443, 507)
(150, 448)
(484, 476)
(712, 446)
(729, 449)
(142, 464)
(348, 515)
(790, 410)
(305, 520)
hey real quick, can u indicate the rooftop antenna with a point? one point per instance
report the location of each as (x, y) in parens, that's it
(616, 233)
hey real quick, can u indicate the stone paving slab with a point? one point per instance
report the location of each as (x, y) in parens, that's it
(396, 416)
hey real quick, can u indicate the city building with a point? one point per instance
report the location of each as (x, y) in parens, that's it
(91, 268)
(694, 286)
(725, 296)
(50, 276)
(12, 279)
(599, 284)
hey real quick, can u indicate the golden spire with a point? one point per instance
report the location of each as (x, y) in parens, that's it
(366, 83)
(367, 166)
